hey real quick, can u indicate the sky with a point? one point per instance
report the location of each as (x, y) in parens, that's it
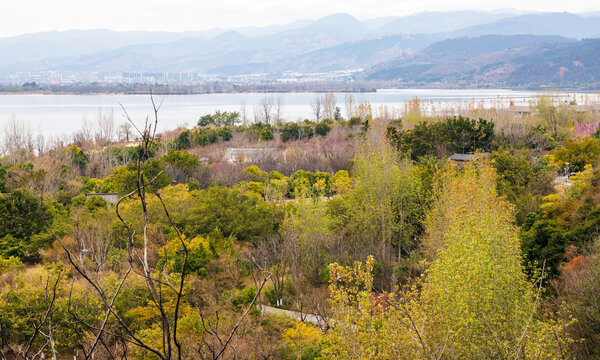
(28, 16)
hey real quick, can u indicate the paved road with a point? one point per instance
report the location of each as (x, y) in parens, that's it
(308, 318)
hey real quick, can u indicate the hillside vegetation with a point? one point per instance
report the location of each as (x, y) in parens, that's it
(361, 227)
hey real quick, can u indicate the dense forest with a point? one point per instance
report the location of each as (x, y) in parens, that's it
(360, 235)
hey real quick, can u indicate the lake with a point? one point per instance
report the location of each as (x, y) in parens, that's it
(64, 114)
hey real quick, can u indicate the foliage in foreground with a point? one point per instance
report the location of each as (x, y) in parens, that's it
(473, 301)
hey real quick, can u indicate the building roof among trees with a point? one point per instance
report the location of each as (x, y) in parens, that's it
(468, 157)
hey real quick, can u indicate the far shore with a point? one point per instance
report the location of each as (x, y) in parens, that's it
(161, 90)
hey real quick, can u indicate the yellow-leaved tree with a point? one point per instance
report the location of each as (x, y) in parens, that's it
(473, 302)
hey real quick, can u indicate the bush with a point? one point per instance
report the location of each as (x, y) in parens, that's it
(95, 202)
(266, 134)
(355, 121)
(577, 153)
(341, 182)
(78, 200)
(290, 131)
(254, 173)
(199, 253)
(181, 165)
(12, 247)
(21, 216)
(301, 183)
(239, 299)
(183, 140)
(452, 135)
(306, 131)
(322, 184)
(235, 212)
(322, 128)
(124, 178)
(11, 263)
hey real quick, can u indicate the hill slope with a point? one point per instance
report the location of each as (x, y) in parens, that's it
(496, 60)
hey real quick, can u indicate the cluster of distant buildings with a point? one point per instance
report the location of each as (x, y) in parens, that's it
(168, 78)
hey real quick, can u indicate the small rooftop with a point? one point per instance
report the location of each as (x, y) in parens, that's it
(111, 198)
(243, 155)
(468, 157)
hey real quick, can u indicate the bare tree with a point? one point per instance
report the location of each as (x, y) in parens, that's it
(105, 131)
(137, 254)
(18, 141)
(270, 254)
(329, 105)
(278, 109)
(265, 110)
(244, 113)
(125, 131)
(317, 107)
(217, 341)
(349, 105)
(41, 325)
(87, 259)
(40, 144)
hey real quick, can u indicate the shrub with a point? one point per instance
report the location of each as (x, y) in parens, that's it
(341, 182)
(322, 128)
(95, 202)
(254, 173)
(290, 131)
(199, 253)
(266, 134)
(11, 263)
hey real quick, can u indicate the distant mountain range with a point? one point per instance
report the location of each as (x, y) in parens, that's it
(532, 61)
(508, 48)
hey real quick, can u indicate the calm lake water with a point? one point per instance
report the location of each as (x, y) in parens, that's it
(64, 114)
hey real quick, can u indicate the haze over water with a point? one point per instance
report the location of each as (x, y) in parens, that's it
(64, 114)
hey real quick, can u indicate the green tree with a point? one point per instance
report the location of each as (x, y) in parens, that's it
(26, 303)
(220, 119)
(124, 179)
(301, 183)
(552, 117)
(233, 212)
(181, 165)
(440, 139)
(12, 247)
(95, 202)
(289, 131)
(322, 184)
(78, 157)
(21, 219)
(183, 140)
(3, 172)
(341, 182)
(476, 276)
(383, 204)
(473, 296)
(266, 134)
(322, 128)
(254, 173)
(578, 153)
(306, 232)
(199, 253)
(206, 120)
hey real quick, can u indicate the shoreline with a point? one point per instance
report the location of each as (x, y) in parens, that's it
(273, 91)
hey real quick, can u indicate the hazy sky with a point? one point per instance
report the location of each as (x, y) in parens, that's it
(26, 16)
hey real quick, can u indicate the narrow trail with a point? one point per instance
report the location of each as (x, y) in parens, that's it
(304, 317)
